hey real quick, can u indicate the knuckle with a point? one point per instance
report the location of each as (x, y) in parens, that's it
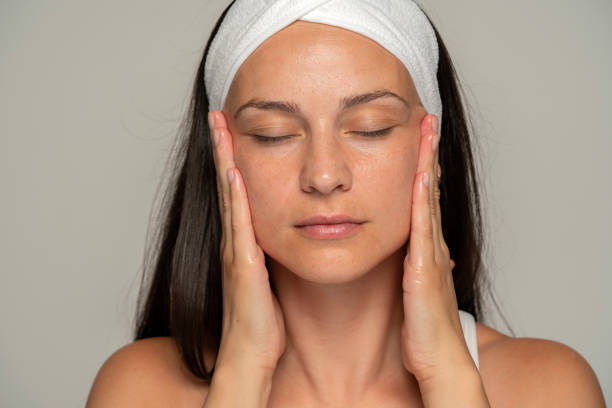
(432, 207)
(445, 248)
(219, 197)
(250, 259)
(235, 226)
(445, 252)
(259, 254)
(226, 204)
(427, 230)
(226, 261)
(245, 260)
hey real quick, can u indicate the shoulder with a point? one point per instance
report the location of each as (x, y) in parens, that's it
(147, 373)
(546, 372)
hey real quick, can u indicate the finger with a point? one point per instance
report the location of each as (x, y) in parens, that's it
(213, 142)
(442, 242)
(435, 189)
(244, 244)
(443, 247)
(426, 164)
(224, 160)
(420, 247)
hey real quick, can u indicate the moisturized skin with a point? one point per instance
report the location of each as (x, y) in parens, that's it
(370, 320)
(341, 298)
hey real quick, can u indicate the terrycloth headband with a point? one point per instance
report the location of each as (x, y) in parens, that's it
(397, 25)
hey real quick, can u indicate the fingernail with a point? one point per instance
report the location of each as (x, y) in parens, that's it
(426, 179)
(211, 124)
(439, 171)
(230, 175)
(434, 142)
(434, 123)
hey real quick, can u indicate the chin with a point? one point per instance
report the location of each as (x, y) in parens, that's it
(328, 277)
(323, 268)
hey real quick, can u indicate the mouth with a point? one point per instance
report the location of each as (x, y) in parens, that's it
(330, 231)
(323, 219)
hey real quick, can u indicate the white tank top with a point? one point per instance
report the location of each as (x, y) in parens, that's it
(468, 325)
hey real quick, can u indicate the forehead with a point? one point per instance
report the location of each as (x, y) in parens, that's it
(321, 62)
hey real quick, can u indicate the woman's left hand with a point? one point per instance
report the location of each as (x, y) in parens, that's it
(433, 344)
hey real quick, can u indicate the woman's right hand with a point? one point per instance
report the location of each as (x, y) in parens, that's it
(253, 325)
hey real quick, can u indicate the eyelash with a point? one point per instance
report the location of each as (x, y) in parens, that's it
(375, 133)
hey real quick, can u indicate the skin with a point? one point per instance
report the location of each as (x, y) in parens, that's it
(371, 320)
(342, 300)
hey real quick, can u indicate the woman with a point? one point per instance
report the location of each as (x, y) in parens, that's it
(306, 251)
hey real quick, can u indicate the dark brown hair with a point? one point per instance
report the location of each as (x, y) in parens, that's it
(180, 293)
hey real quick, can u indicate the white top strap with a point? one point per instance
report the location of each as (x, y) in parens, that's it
(468, 324)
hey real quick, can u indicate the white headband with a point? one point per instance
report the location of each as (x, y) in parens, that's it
(397, 25)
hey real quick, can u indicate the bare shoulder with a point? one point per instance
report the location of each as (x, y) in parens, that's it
(546, 372)
(146, 373)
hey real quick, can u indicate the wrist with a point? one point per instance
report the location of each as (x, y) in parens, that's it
(240, 384)
(236, 355)
(450, 365)
(455, 387)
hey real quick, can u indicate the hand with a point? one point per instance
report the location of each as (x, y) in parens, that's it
(253, 323)
(432, 338)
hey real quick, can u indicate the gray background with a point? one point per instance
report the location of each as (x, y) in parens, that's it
(91, 95)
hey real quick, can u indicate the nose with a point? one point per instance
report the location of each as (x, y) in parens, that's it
(325, 167)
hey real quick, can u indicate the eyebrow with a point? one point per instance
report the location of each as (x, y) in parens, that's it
(345, 103)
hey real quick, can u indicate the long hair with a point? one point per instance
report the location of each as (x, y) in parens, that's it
(180, 293)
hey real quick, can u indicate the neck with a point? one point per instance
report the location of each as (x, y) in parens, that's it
(343, 339)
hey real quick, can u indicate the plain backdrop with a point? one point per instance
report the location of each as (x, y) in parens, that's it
(91, 96)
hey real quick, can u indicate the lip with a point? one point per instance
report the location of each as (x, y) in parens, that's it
(331, 226)
(329, 231)
(322, 219)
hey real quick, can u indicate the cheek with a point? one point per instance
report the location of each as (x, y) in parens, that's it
(267, 185)
(392, 182)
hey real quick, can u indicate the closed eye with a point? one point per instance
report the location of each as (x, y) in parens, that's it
(374, 133)
(266, 139)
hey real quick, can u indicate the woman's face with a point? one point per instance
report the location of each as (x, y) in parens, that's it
(325, 166)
